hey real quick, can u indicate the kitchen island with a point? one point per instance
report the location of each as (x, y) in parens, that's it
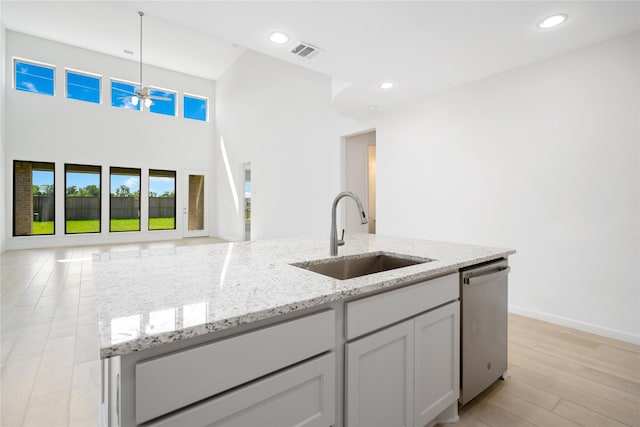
(229, 333)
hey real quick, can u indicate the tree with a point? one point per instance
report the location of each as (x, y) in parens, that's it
(42, 190)
(123, 191)
(46, 189)
(72, 190)
(153, 194)
(167, 194)
(90, 191)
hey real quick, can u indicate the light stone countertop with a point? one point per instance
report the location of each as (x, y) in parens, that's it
(147, 298)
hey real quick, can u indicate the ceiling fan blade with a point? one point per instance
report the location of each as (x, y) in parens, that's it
(122, 92)
(160, 98)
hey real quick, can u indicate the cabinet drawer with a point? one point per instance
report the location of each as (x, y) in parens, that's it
(375, 312)
(171, 382)
(301, 396)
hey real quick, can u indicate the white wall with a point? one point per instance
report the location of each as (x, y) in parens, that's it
(55, 129)
(278, 117)
(543, 159)
(357, 179)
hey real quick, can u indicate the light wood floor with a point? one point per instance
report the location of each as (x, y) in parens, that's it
(50, 371)
(560, 377)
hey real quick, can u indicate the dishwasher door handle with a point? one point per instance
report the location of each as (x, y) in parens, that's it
(483, 277)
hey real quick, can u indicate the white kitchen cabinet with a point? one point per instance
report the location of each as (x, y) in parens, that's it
(173, 381)
(436, 362)
(379, 383)
(404, 375)
(301, 396)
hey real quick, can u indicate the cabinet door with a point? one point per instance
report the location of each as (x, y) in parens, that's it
(379, 383)
(301, 396)
(437, 363)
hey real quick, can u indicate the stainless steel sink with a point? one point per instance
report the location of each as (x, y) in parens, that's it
(356, 266)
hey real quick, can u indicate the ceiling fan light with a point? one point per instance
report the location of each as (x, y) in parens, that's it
(134, 101)
(148, 102)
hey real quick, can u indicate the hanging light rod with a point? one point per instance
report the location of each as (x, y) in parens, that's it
(141, 13)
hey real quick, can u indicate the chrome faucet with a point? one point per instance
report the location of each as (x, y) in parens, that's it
(334, 242)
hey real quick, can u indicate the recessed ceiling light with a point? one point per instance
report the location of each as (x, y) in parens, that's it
(552, 21)
(386, 85)
(278, 37)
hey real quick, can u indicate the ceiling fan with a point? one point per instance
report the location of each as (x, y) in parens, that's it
(143, 93)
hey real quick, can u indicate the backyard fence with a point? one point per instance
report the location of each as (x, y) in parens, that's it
(162, 207)
(43, 208)
(80, 207)
(125, 207)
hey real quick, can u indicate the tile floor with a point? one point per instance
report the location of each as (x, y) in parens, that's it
(50, 370)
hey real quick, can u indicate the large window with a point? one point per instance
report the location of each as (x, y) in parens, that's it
(82, 200)
(163, 106)
(195, 108)
(36, 78)
(125, 199)
(83, 86)
(33, 198)
(122, 94)
(162, 200)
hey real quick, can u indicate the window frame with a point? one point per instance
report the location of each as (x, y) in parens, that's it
(175, 198)
(13, 201)
(53, 68)
(192, 96)
(99, 168)
(86, 74)
(111, 173)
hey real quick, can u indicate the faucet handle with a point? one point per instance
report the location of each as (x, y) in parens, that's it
(341, 241)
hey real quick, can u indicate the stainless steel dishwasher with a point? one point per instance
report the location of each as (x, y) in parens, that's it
(483, 323)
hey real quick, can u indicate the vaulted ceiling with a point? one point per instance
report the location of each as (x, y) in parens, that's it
(421, 46)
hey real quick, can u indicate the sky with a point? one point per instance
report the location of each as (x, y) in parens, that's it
(156, 184)
(81, 180)
(42, 177)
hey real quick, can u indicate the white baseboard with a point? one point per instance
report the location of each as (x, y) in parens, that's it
(577, 324)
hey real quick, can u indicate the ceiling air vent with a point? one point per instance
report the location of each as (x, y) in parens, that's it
(305, 50)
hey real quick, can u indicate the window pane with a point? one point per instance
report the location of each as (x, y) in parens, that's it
(34, 78)
(125, 199)
(82, 199)
(122, 94)
(195, 108)
(83, 87)
(160, 106)
(162, 200)
(33, 198)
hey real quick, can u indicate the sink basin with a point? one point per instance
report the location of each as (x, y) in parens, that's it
(356, 266)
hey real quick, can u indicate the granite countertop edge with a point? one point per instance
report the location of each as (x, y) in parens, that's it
(150, 340)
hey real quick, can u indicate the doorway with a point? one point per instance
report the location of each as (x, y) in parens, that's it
(247, 201)
(360, 178)
(195, 209)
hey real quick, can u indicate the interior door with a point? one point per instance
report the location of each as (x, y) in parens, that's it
(196, 211)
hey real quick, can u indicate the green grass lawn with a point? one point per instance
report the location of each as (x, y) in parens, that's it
(45, 227)
(162, 223)
(93, 225)
(130, 224)
(83, 226)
